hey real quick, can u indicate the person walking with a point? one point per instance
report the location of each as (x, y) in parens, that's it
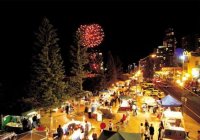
(94, 136)
(89, 112)
(142, 130)
(160, 132)
(134, 109)
(151, 131)
(146, 133)
(161, 124)
(86, 109)
(38, 118)
(146, 124)
(110, 126)
(60, 132)
(67, 108)
(86, 132)
(123, 119)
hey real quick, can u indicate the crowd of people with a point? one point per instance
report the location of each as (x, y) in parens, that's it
(31, 122)
(79, 131)
(147, 129)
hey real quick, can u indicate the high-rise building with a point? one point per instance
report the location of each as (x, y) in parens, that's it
(160, 57)
(169, 43)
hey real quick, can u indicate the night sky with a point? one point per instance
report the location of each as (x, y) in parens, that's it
(132, 29)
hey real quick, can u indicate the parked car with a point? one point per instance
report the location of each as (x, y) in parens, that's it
(7, 135)
(147, 92)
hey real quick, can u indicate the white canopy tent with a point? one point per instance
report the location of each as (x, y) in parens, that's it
(172, 114)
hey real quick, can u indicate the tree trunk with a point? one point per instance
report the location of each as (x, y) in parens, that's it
(81, 88)
(78, 106)
(51, 121)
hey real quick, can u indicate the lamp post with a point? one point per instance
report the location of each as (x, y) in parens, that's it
(184, 101)
(183, 97)
(183, 58)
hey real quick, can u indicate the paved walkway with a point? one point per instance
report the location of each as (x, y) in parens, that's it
(132, 126)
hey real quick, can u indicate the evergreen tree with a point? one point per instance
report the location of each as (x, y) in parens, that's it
(111, 73)
(148, 69)
(47, 88)
(79, 59)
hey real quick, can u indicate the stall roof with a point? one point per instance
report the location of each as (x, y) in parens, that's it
(111, 135)
(106, 134)
(173, 114)
(29, 113)
(169, 101)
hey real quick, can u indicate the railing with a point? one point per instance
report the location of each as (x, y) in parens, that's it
(29, 134)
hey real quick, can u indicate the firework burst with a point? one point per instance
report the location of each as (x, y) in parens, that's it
(90, 35)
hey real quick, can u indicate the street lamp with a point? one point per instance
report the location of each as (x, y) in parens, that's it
(183, 58)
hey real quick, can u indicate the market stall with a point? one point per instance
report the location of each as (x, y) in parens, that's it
(14, 123)
(73, 126)
(148, 103)
(106, 112)
(97, 115)
(125, 105)
(173, 125)
(169, 101)
(94, 105)
(21, 122)
(173, 118)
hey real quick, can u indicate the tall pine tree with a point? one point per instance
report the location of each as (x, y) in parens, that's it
(79, 59)
(47, 88)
